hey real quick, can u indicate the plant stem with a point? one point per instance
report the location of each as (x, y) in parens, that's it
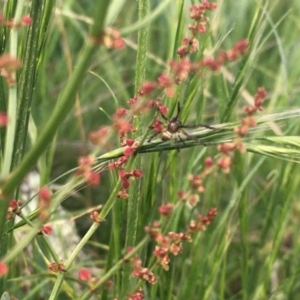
(61, 110)
(12, 98)
(135, 190)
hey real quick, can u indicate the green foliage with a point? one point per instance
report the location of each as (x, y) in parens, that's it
(70, 85)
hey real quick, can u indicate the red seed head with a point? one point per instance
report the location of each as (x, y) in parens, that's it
(3, 269)
(26, 20)
(47, 230)
(84, 274)
(3, 119)
(137, 173)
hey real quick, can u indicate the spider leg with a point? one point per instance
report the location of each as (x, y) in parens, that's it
(153, 136)
(176, 142)
(164, 117)
(198, 125)
(178, 110)
(190, 137)
(180, 139)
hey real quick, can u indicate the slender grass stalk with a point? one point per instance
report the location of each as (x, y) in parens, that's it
(251, 249)
(244, 224)
(13, 253)
(256, 21)
(70, 260)
(27, 81)
(12, 100)
(135, 190)
(7, 158)
(61, 110)
(148, 19)
(117, 266)
(105, 210)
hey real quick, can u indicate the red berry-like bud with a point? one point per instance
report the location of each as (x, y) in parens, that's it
(128, 151)
(3, 119)
(111, 166)
(84, 274)
(123, 174)
(93, 178)
(125, 184)
(3, 269)
(47, 230)
(129, 142)
(137, 173)
(166, 209)
(26, 20)
(45, 194)
(208, 162)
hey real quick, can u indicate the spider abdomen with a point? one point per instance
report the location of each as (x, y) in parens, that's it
(166, 136)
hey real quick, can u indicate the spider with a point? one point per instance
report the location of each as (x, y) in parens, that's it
(175, 127)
